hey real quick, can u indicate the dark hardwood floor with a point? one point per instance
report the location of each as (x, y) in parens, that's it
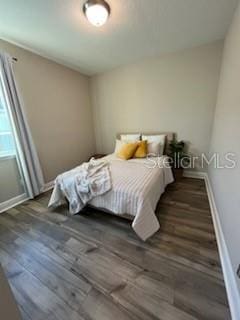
(93, 267)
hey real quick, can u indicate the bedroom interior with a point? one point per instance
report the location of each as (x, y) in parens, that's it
(119, 160)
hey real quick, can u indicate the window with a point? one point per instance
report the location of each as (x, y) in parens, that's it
(7, 146)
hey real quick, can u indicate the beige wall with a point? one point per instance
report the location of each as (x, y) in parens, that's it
(58, 109)
(226, 138)
(175, 92)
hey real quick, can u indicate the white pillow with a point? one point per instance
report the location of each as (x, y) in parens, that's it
(118, 145)
(130, 137)
(156, 144)
(154, 149)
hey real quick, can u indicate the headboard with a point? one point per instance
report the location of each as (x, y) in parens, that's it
(169, 136)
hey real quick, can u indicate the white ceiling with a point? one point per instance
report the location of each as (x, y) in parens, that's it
(137, 29)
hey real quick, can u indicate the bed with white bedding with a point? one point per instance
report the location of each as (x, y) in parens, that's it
(136, 186)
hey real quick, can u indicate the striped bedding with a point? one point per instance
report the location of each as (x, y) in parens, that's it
(136, 189)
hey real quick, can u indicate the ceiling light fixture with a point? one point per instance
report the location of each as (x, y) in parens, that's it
(97, 12)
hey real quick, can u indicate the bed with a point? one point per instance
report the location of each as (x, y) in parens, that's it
(137, 185)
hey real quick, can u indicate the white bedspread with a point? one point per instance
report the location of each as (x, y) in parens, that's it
(135, 191)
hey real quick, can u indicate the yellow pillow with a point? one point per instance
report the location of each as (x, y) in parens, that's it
(127, 150)
(142, 149)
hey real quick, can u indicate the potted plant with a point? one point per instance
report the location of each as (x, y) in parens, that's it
(179, 159)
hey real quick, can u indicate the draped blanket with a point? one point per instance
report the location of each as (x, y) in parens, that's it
(81, 184)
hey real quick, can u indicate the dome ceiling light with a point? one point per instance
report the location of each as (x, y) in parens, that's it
(97, 12)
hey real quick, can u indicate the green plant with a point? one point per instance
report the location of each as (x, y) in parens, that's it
(178, 157)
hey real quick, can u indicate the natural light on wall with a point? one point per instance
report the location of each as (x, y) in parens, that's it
(96, 11)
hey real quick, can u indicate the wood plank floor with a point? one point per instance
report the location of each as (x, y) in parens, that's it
(93, 267)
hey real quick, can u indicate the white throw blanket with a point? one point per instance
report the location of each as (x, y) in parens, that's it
(81, 184)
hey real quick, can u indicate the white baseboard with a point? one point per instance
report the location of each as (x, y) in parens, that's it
(6, 205)
(228, 272)
(194, 174)
(48, 186)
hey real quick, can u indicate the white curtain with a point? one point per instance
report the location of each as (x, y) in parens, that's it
(33, 170)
